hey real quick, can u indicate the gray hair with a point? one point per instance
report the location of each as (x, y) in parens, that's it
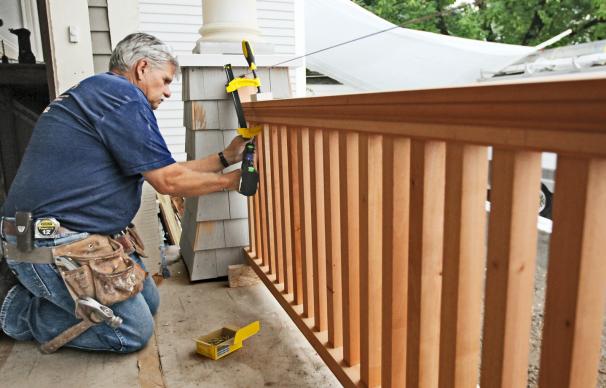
(138, 46)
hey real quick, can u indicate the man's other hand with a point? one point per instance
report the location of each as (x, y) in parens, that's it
(233, 152)
(234, 179)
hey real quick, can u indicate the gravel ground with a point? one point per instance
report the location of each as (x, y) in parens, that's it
(537, 319)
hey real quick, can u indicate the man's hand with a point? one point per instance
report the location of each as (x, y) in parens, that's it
(233, 152)
(233, 179)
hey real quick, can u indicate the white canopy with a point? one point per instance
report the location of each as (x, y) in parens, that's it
(397, 59)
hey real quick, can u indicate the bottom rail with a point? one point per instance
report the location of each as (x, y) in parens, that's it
(333, 358)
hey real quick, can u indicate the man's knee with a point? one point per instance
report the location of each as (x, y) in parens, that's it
(138, 325)
(138, 335)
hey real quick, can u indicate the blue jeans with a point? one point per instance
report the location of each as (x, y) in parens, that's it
(40, 308)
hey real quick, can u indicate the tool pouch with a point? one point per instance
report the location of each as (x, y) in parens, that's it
(103, 270)
(131, 242)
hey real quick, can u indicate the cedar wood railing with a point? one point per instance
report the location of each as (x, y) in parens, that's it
(370, 229)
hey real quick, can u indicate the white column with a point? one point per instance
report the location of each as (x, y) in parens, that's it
(225, 24)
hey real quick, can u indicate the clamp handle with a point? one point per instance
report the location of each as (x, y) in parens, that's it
(248, 54)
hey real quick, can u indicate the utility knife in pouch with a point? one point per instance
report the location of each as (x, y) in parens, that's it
(25, 233)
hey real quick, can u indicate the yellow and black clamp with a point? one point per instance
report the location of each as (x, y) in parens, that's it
(250, 176)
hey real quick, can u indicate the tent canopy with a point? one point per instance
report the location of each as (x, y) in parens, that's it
(397, 59)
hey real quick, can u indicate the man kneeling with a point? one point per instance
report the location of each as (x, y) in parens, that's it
(79, 187)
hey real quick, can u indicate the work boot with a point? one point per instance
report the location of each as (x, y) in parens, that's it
(7, 280)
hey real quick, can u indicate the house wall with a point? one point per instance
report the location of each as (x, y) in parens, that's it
(73, 61)
(177, 22)
(99, 31)
(17, 14)
(110, 21)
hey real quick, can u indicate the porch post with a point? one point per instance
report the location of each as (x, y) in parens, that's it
(225, 23)
(215, 226)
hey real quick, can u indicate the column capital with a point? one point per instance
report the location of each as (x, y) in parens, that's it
(225, 23)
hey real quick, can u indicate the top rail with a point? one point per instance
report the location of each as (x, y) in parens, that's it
(563, 115)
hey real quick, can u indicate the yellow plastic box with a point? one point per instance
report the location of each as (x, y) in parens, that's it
(222, 342)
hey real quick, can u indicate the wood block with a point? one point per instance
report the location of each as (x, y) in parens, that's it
(241, 275)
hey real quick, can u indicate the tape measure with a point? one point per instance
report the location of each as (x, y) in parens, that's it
(46, 228)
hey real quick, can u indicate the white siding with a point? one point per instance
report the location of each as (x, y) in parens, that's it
(177, 22)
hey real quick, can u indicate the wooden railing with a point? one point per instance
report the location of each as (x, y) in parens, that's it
(370, 229)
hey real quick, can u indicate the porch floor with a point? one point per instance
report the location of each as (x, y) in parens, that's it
(278, 355)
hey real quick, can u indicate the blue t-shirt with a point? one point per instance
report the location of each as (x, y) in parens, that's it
(84, 161)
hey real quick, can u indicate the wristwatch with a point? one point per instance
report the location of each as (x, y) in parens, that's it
(224, 161)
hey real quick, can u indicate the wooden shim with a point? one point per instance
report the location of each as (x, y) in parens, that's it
(322, 220)
(512, 246)
(296, 173)
(278, 219)
(287, 210)
(311, 246)
(241, 275)
(463, 267)
(338, 221)
(396, 201)
(370, 269)
(269, 192)
(355, 207)
(170, 219)
(574, 308)
(178, 206)
(428, 164)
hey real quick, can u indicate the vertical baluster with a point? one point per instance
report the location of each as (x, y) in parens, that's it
(309, 189)
(357, 216)
(396, 199)
(264, 229)
(257, 208)
(512, 246)
(287, 210)
(338, 222)
(322, 227)
(463, 267)
(278, 217)
(251, 227)
(370, 269)
(269, 192)
(574, 308)
(296, 178)
(425, 262)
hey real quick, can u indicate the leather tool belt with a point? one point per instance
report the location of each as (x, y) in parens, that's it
(96, 270)
(128, 238)
(98, 267)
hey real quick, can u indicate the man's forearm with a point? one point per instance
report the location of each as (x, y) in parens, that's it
(211, 163)
(179, 180)
(190, 183)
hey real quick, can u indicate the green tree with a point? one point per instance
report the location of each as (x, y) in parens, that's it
(528, 22)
